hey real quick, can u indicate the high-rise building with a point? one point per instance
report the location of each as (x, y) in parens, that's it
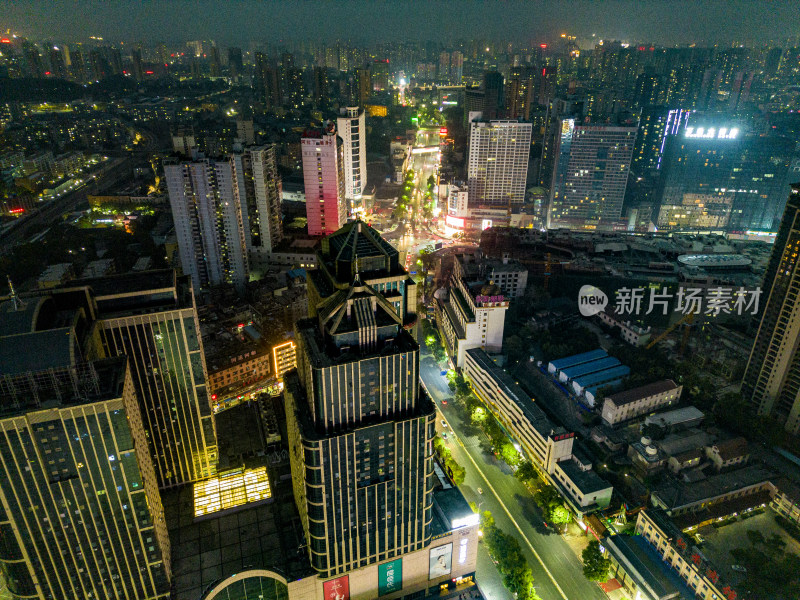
(771, 383)
(151, 318)
(363, 85)
(320, 91)
(750, 172)
(81, 512)
(360, 426)
(494, 91)
(353, 131)
(208, 222)
(498, 161)
(235, 64)
(590, 175)
(136, 61)
(380, 75)
(323, 174)
(267, 82)
(257, 189)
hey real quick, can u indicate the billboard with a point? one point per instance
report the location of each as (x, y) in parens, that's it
(456, 222)
(441, 560)
(390, 577)
(337, 589)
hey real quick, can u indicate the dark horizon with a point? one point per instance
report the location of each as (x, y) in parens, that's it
(663, 22)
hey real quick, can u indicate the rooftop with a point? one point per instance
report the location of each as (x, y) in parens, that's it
(577, 359)
(503, 380)
(644, 391)
(587, 482)
(675, 417)
(715, 260)
(677, 494)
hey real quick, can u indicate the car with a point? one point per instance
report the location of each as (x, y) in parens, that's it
(444, 402)
(444, 436)
(444, 423)
(739, 568)
(480, 491)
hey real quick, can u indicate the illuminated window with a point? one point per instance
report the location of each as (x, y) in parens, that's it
(230, 489)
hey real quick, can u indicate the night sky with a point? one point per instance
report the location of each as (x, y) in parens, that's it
(238, 22)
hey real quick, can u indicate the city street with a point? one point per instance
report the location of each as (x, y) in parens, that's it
(557, 571)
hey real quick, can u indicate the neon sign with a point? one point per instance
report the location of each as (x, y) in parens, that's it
(723, 133)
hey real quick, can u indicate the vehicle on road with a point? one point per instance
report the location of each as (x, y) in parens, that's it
(444, 435)
(444, 402)
(444, 423)
(480, 491)
(739, 568)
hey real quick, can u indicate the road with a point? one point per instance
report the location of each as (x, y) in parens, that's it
(557, 571)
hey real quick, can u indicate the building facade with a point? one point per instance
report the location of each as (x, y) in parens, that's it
(352, 127)
(771, 382)
(360, 426)
(498, 161)
(80, 512)
(208, 222)
(151, 318)
(323, 174)
(590, 175)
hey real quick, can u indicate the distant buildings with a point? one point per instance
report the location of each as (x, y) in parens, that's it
(590, 175)
(629, 404)
(353, 131)
(771, 383)
(323, 174)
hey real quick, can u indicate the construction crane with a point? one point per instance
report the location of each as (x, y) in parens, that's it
(687, 320)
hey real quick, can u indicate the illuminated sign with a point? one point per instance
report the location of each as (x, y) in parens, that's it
(710, 133)
(390, 577)
(337, 589)
(462, 551)
(486, 223)
(441, 561)
(457, 222)
(5, 41)
(443, 131)
(490, 299)
(567, 125)
(285, 356)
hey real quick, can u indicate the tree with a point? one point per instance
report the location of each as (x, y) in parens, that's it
(431, 181)
(526, 471)
(509, 454)
(595, 565)
(559, 515)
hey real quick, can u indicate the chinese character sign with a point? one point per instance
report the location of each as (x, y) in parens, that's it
(390, 577)
(337, 589)
(712, 301)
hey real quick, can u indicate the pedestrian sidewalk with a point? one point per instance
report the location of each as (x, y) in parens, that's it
(576, 539)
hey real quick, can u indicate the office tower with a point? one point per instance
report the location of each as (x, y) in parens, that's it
(81, 515)
(235, 65)
(267, 82)
(151, 318)
(364, 85)
(323, 175)
(353, 131)
(58, 67)
(494, 94)
(771, 383)
(380, 75)
(360, 426)
(136, 60)
(320, 85)
(257, 189)
(208, 222)
(215, 63)
(456, 67)
(589, 175)
(520, 93)
(498, 161)
(719, 158)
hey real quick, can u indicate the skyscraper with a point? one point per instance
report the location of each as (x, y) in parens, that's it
(208, 222)
(771, 383)
(353, 131)
(590, 174)
(498, 161)
(151, 318)
(360, 426)
(323, 174)
(257, 189)
(81, 512)
(235, 65)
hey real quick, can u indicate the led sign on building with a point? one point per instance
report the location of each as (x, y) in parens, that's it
(390, 577)
(723, 133)
(456, 222)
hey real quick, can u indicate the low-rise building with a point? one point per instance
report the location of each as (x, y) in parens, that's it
(673, 420)
(99, 268)
(549, 446)
(630, 332)
(229, 372)
(55, 275)
(678, 552)
(729, 453)
(285, 358)
(629, 404)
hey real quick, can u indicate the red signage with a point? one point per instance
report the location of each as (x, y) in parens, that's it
(5, 41)
(337, 589)
(443, 131)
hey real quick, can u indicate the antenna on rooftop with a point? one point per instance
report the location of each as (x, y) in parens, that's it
(18, 303)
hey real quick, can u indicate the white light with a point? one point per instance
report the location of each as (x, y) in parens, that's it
(462, 551)
(472, 519)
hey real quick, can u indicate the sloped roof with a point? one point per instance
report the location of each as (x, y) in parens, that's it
(644, 391)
